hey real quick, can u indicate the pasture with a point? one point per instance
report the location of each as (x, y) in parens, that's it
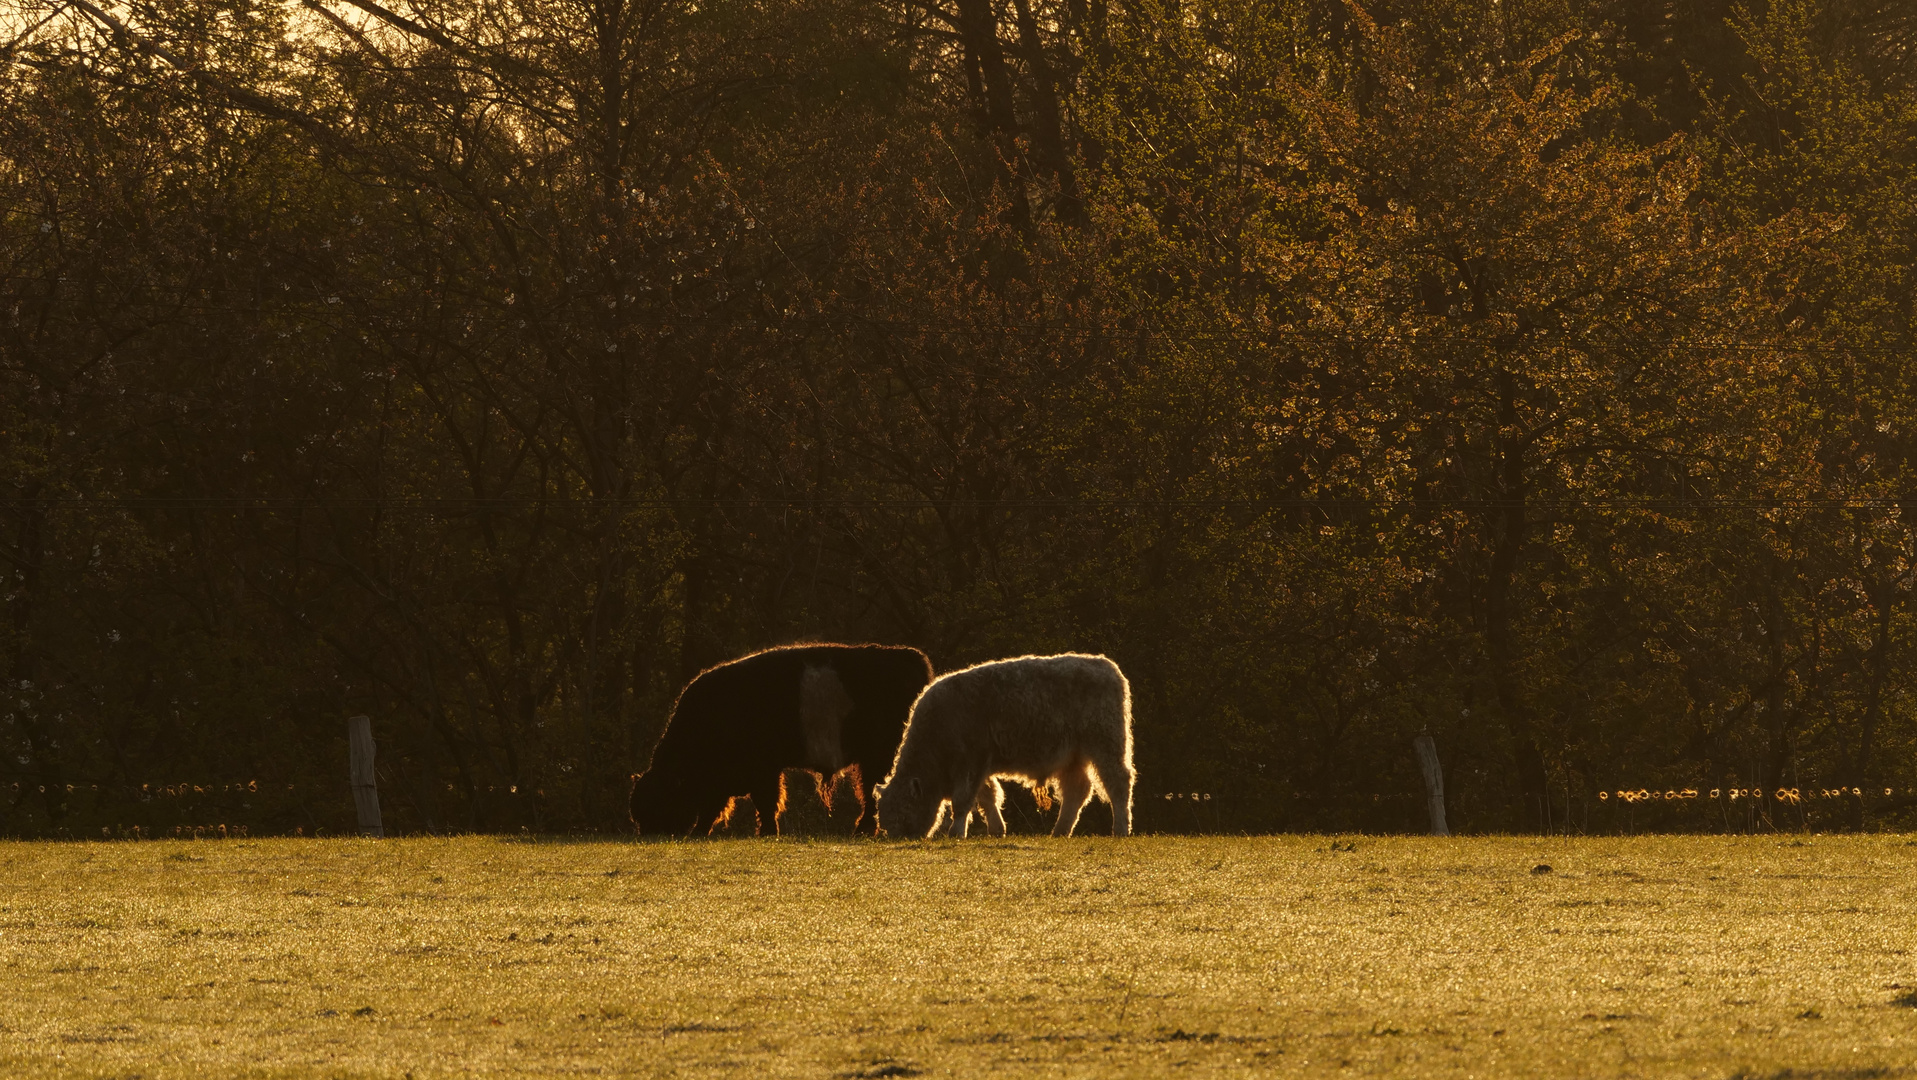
(1293, 956)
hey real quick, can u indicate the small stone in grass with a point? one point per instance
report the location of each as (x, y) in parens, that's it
(1541, 868)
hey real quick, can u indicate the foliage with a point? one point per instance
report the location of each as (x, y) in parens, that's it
(1531, 379)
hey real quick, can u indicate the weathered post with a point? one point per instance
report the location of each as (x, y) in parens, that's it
(1433, 782)
(359, 730)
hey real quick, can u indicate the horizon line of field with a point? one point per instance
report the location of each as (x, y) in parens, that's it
(1794, 793)
(232, 831)
(457, 504)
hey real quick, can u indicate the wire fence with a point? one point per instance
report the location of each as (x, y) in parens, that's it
(1788, 795)
(1619, 809)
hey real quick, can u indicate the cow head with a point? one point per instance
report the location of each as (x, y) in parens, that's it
(659, 807)
(905, 807)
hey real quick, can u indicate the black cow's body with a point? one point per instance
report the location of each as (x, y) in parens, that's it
(737, 727)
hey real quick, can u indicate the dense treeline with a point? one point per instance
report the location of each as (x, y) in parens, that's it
(1534, 375)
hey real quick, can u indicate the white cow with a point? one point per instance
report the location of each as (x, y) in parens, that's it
(1038, 719)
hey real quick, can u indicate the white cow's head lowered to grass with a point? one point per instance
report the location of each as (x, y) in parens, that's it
(908, 808)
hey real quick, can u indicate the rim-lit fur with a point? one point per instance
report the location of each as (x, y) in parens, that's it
(1040, 719)
(830, 709)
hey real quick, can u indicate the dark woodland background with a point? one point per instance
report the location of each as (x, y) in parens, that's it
(1532, 373)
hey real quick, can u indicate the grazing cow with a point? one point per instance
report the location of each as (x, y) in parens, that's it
(737, 727)
(1036, 718)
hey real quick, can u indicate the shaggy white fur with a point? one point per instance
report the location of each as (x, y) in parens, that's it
(1040, 719)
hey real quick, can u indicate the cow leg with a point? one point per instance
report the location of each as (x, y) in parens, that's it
(989, 797)
(1116, 778)
(867, 823)
(961, 820)
(965, 795)
(1074, 788)
(710, 818)
(768, 798)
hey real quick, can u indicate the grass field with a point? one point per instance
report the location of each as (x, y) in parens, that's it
(1648, 956)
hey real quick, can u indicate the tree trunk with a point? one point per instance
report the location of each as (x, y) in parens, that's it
(1048, 132)
(978, 29)
(1877, 664)
(1507, 549)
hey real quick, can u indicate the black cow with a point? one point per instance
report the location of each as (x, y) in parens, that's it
(737, 727)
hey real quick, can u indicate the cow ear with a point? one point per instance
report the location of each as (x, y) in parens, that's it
(915, 787)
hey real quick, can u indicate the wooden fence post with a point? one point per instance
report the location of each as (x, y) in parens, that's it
(359, 730)
(1433, 782)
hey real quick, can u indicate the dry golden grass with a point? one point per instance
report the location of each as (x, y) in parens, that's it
(1652, 957)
